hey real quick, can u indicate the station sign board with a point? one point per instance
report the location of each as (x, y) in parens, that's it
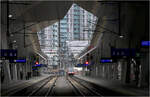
(145, 43)
(17, 61)
(34, 69)
(40, 65)
(107, 60)
(8, 54)
(79, 65)
(37, 65)
(123, 52)
(85, 64)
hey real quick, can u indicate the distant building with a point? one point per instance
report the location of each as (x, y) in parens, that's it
(75, 26)
(48, 39)
(79, 20)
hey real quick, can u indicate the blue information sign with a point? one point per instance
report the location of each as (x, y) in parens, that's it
(79, 65)
(18, 61)
(107, 60)
(8, 54)
(145, 43)
(123, 52)
(37, 65)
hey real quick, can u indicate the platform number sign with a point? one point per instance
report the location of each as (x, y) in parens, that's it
(8, 54)
(123, 52)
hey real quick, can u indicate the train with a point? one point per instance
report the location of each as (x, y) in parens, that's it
(70, 72)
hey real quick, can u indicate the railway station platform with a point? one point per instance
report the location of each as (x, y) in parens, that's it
(117, 86)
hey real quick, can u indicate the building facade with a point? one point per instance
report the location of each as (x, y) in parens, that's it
(75, 26)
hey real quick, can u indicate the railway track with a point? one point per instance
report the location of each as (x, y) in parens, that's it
(45, 89)
(76, 87)
(53, 84)
(83, 90)
(99, 89)
(41, 88)
(17, 87)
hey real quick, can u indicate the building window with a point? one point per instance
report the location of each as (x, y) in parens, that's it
(63, 23)
(76, 10)
(54, 30)
(54, 25)
(75, 5)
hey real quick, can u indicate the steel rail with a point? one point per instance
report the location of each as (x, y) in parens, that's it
(15, 91)
(75, 87)
(94, 92)
(36, 90)
(49, 92)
